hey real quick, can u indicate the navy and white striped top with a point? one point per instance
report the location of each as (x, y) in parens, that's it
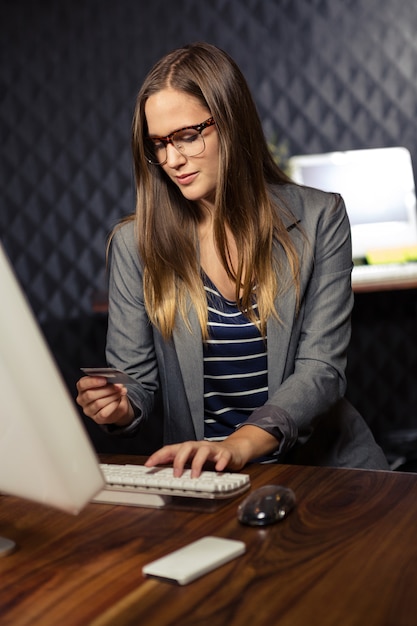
(235, 366)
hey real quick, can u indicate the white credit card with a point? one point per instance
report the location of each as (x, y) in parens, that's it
(112, 374)
(192, 561)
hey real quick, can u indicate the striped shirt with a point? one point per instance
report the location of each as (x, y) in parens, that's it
(235, 366)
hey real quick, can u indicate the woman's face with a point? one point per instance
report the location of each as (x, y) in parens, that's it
(169, 110)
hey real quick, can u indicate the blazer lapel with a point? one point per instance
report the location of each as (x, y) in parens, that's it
(279, 340)
(189, 348)
(280, 333)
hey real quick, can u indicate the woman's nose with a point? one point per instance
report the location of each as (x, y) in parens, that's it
(174, 157)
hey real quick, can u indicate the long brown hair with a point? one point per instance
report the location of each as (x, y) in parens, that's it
(167, 222)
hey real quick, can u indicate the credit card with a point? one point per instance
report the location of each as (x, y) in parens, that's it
(112, 374)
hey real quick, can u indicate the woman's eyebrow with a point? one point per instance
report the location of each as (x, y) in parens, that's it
(165, 136)
(153, 136)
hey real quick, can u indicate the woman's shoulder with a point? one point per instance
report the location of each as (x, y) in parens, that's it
(306, 203)
(124, 233)
(303, 195)
(123, 240)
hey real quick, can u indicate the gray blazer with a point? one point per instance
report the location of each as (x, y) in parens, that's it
(306, 351)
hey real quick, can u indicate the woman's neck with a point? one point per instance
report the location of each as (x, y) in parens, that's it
(210, 258)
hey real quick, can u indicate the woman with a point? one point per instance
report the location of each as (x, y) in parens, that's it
(229, 292)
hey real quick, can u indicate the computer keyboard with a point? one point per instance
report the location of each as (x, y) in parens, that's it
(390, 272)
(156, 486)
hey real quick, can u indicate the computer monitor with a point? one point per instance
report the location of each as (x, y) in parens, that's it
(377, 185)
(45, 453)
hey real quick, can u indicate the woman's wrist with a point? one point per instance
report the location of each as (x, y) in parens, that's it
(127, 417)
(251, 442)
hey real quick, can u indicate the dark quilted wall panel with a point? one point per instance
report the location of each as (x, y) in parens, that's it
(326, 75)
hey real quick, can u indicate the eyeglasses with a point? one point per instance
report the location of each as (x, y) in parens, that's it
(188, 141)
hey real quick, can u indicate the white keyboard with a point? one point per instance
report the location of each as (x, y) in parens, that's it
(156, 486)
(364, 274)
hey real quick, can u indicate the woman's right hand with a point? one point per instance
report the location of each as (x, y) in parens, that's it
(103, 402)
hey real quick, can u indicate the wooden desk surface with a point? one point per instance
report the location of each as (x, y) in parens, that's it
(347, 555)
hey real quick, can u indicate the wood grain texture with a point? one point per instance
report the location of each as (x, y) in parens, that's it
(346, 555)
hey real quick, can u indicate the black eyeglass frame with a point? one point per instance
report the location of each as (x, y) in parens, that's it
(170, 138)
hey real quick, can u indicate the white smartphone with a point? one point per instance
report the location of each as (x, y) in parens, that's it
(192, 561)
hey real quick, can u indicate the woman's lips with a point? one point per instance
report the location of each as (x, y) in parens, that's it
(186, 179)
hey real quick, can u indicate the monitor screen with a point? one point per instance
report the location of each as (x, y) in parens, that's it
(45, 453)
(377, 186)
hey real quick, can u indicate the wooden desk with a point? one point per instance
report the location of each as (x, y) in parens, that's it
(347, 555)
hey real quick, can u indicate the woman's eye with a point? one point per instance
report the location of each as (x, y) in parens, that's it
(158, 145)
(187, 137)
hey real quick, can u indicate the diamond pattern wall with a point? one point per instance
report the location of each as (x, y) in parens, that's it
(326, 75)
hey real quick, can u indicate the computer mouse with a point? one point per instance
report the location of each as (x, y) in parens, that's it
(266, 505)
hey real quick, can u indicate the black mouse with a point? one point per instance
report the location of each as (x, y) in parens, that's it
(266, 505)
